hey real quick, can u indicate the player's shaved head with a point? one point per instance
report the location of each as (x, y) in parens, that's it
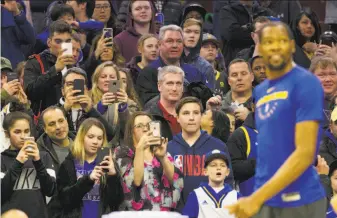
(14, 214)
(276, 24)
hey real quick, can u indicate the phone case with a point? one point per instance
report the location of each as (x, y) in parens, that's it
(155, 128)
(101, 153)
(69, 47)
(11, 76)
(114, 86)
(79, 85)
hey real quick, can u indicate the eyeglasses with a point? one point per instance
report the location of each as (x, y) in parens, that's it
(142, 126)
(100, 7)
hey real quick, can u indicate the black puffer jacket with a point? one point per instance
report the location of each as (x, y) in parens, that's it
(171, 10)
(43, 90)
(236, 28)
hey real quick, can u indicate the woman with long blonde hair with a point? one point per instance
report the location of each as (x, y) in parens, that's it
(89, 186)
(115, 107)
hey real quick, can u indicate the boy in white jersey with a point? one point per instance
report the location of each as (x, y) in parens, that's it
(210, 198)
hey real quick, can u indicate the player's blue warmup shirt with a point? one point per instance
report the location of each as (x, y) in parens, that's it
(280, 104)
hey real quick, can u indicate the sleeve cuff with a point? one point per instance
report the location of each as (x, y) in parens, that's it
(38, 165)
(101, 108)
(122, 107)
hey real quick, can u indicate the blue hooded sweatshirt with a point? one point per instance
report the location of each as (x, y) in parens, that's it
(190, 160)
(16, 31)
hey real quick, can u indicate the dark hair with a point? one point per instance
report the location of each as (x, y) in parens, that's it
(260, 19)
(75, 36)
(59, 10)
(130, 89)
(59, 26)
(128, 136)
(77, 71)
(90, 6)
(117, 58)
(299, 39)
(51, 108)
(221, 123)
(187, 100)
(12, 117)
(275, 24)
(239, 60)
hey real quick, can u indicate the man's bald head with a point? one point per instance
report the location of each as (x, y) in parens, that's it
(14, 214)
(276, 24)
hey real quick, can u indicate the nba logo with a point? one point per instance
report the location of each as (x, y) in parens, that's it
(178, 161)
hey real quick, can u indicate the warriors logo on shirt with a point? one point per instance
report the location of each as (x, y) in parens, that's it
(267, 105)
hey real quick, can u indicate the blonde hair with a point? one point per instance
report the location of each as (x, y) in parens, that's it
(96, 93)
(144, 37)
(191, 21)
(322, 62)
(77, 149)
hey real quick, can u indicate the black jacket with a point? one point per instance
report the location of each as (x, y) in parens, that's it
(301, 58)
(328, 148)
(25, 186)
(237, 147)
(152, 108)
(236, 29)
(72, 190)
(246, 53)
(42, 90)
(134, 68)
(44, 143)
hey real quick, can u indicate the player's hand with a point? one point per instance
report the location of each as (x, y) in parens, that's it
(245, 207)
(322, 166)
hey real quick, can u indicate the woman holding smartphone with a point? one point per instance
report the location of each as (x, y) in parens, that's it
(87, 186)
(151, 181)
(27, 175)
(114, 96)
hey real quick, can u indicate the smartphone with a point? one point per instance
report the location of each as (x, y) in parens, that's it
(114, 86)
(159, 18)
(12, 76)
(155, 128)
(69, 48)
(79, 85)
(101, 153)
(328, 38)
(32, 139)
(108, 32)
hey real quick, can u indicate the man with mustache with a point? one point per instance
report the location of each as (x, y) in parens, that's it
(288, 114)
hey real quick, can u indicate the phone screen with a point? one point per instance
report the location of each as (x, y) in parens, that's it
(79, 85)
(160, 18)
(108, 32)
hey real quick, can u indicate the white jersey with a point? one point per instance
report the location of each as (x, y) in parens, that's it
(209, 207)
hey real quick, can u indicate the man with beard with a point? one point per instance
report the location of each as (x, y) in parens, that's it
(259, 69)
(289, 106)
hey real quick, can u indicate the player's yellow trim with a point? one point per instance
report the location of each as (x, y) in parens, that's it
(272, 97)
(247, 139)
(217, 204)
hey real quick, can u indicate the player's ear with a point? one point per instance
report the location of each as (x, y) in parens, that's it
(293, 46)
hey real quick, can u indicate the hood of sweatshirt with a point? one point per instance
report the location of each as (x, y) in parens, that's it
(193, 52)
(129, 21)
(10, 153)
